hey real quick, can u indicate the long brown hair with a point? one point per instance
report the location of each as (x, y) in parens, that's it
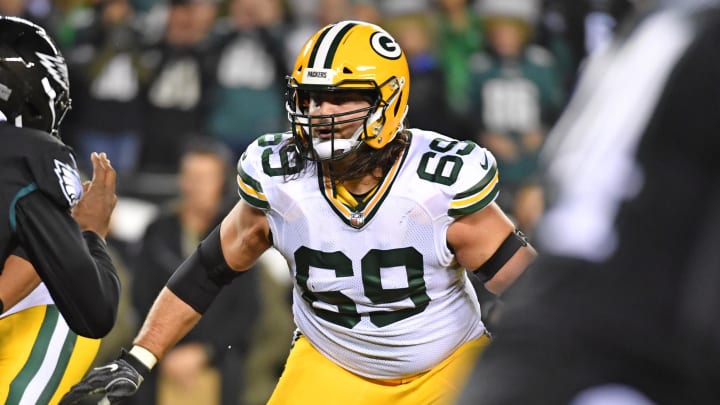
(366, 159)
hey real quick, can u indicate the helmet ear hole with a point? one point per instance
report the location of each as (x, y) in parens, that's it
(32, 111)
(13, 95)
(347, 70)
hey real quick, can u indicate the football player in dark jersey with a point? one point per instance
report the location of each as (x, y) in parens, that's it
(622, 306)
(58, 287)
(51, 219)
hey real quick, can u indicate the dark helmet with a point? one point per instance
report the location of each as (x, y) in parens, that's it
(34, 86)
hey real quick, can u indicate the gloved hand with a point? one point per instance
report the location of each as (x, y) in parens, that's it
(109, 384)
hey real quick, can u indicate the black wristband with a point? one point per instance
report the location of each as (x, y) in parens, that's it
(134, 362)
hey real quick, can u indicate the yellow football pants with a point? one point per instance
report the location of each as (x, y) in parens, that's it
(40, 357)
(311, 378)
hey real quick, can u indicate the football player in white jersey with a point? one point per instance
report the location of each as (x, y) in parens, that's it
(378, 224)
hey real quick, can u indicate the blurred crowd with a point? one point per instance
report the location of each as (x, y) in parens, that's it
(174, 90)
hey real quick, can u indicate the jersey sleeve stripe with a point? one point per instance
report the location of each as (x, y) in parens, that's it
(478, 196)
(245, 178)
(252, 195)
(469, 209)
(490, 177)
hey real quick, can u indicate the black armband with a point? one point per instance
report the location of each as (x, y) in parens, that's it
(201, 276)
(507, 249)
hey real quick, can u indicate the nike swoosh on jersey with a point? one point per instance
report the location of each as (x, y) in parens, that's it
(484, 164)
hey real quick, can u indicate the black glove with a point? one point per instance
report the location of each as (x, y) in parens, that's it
(109, 384)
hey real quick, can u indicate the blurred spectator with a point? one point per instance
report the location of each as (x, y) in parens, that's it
(366, 10)
(460, 35)
(528, 206)
(549, 34)
(14, 8)
(573, 29)
(302, 10)
(106, 63)
(393, 8)
(144, 5)
(126, 324)
(177, 94)
(304, 23)
(220, 342)
(516, 89)
(330, 11)
(272, 340)
(248, 96)
(37, 11)
(427, 108)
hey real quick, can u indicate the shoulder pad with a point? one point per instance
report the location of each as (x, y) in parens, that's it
(478, 186)
(465, 171)
(263, 159)
(473, 180)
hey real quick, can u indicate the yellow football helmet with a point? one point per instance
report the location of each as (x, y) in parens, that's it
(349, 56)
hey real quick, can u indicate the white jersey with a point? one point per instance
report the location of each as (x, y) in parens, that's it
(376, 288)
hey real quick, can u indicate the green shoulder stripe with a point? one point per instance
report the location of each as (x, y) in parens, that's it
(251, 190)
(478, 196)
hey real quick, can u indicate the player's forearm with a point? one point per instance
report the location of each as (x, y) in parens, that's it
(169, 319)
